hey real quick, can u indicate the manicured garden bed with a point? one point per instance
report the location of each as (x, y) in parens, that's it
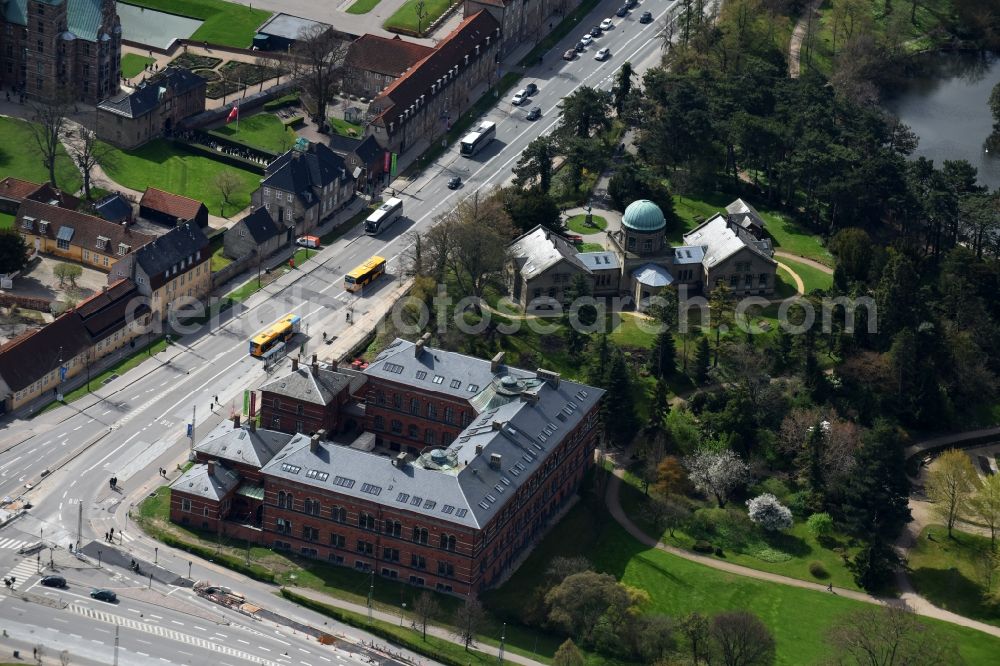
(192, 61)
(578, 224)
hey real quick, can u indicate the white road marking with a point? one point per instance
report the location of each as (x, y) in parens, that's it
(101, 461)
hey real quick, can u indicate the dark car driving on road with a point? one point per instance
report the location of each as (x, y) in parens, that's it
(105, 595)
(53, 581)
(535, 113)
(454, 182)
(646, 17)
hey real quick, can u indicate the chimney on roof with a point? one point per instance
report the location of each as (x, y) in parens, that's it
(550, 378)
(295, 364)
(314, 443)
(400, 460)
(479, 449)
(211, 468)
(315, 365)
(236, 421)
(498, 425)
(418, 348)
(497, 361)
(496, 460)
(530, 397)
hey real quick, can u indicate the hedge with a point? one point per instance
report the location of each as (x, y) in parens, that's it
(225, 158)
(255, 571)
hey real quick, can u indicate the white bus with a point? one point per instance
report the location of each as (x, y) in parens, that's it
(475, 140)
(384, 216)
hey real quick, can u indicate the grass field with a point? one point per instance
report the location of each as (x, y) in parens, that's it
(629, 334)
(785, 284)
(590, 247)
(405, 18)
(19, 157)
(134, 64)
(159, 164)
(344, 128)
(362, 6)
(225, 23)
(578, 224)
(6, 221)
(785, 234)
(219, 260)
(812, 278)
(262, 130)
(798, 618)
(945, 572)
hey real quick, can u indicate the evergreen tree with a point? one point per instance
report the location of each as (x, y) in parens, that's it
(665, 356)
(702, 361)
(874, 565)
(622, 87)
(877, 494)
(896, 296)
(600, 359)
(618, 406)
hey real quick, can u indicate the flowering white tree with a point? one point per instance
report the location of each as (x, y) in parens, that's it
(717, 472)
(765, 510)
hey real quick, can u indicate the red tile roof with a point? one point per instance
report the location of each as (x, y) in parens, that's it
(451, 51)
(175, 205)
(17, 189)
(86, 228)
(47, 194)
(386, 56)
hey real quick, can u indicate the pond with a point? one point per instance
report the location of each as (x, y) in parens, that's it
(946, 105)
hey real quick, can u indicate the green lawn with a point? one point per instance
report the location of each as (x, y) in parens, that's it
(945, 572)
(405, 18)
(784, 286)
(262, 130)
(629, 334)
(20, 158)
(134, 64)
(578, 224)
(812, 278)
(225, 23)
(590, 247)
(362, 6)
(798, 618)
(344, 128)
(219, 260)
(7, 221)
(159, 164)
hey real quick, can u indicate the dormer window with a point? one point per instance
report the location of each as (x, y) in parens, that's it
(102, 242)
(43, 226)
(123, 249)
(28, 222)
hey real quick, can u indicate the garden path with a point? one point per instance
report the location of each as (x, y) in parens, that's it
(804, 260)
(798, 36)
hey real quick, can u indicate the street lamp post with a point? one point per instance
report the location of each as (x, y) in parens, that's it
(401, 611)
(189, 569)
(99, 551)
(156, 554)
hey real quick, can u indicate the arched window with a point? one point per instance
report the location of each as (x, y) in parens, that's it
(420, 535)
(413, 431)
(338, 514)
(281, 498)
(414, 406)
(448, 542)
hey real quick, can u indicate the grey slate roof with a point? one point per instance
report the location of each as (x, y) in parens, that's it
(319, 389)
(260, 225)
(114, 208)
(720, 240)
(242, 445)
(599, 261)
(539, 250)
(688, 254)
(197, 481)
(147, 94)
(171, 248)
(744, 214)
(298, 171)
(456, 484)
(653, 275)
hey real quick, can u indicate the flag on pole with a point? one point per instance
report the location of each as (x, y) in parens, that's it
(234, 114)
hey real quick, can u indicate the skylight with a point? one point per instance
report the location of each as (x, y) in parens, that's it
(343, 482)
(291, 469)
(371, 488)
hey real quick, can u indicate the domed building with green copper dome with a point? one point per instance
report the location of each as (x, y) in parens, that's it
(638, 261)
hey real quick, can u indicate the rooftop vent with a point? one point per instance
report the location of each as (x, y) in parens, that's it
(400, 460)
(549, 377)
(496, 460)
(496, 361)
(418, 348)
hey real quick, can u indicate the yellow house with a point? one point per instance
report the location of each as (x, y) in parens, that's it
(76, 236)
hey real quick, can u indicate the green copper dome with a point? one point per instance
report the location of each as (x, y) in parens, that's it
(643, 215)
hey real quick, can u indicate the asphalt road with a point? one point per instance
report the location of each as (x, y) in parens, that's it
(129, 429)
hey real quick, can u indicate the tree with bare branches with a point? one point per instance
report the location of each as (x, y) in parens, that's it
(426, 608)
(317, 64)
(226, 182)
(887, 636)
(48, 126)
(88, 153)
(468, 620)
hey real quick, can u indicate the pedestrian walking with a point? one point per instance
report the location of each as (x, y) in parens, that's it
(829, 587)
(112, 533)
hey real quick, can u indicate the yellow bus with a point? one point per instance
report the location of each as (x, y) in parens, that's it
(364, 274)
(280, 331)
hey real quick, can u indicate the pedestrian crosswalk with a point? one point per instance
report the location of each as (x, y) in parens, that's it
(13, 543)
(169, 634)
(24, 570)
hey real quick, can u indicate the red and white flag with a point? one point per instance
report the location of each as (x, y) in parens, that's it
(234, 114)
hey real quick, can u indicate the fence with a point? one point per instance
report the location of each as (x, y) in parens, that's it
(29, 302)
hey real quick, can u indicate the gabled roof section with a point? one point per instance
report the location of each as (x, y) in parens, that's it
(114, 208)
(174, 247)
(260, 225)
(198, 482)
(449, 53)
(539, 250)
(319, 388)
(87, 229)
(242, 445)
(599, 261)
(720, 240)
(383, 55)
(147, 95)
(16, 189)
(108, 311)
(745, 215)
(174, 205)
(300, 170)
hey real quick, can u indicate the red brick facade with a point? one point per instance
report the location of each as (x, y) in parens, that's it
(405, 419)
(352, 532)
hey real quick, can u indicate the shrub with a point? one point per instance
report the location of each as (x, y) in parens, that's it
(820, 525)
(765, 510)
(702, 546)
(772, 555)
(774, 486)
(818, 570)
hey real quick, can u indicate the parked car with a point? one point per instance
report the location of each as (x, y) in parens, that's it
(104, 595)
(646, 17)
(535, 113)
(53, 581)
(581, 47)
(596, 31)
(586, 40)
(520, 97)
(606, 24)
(531, 89)
(454, 182)
(622, 11)
(575, 239)
(311, 242)
(603, 54)
(569, 55)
